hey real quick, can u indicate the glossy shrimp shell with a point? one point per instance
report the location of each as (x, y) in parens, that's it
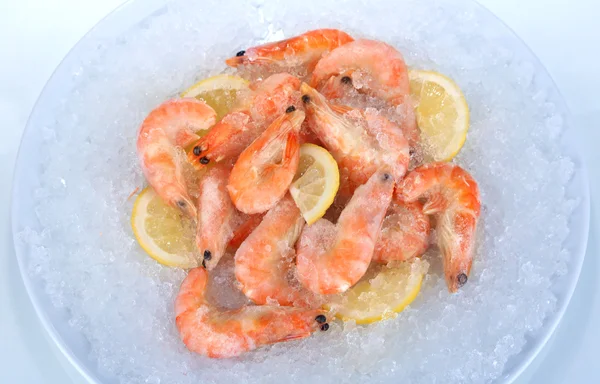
(452, 195)
(216, 333)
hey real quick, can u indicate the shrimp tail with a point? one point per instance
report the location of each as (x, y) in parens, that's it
(291, 154)
(245, 229)
(292, 150)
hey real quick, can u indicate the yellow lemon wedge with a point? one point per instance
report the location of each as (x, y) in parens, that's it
(316, 182)
(442, 113)
(384, 291)
(163, 232)
(220, 92)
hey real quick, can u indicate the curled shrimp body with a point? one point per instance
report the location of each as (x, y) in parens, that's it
(230, 136)
(331, 258)
(217, 217)
(265, 260)
(165, 131)
(404, 233)
(303, 50)
(371, 67)
(360, 141)
(453, 197)
(265, 170)
(206, 330)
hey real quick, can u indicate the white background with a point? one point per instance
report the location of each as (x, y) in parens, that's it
(36, 34)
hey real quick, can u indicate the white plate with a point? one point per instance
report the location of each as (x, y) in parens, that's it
(27, 177)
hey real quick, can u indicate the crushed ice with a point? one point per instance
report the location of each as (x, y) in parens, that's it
(122, 301)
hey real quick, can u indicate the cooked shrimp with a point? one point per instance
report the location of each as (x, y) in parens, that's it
(264, 261)
(453, 196)
(206, 330)
(226, 140)
(360, 141)
(302, 50)
(165, 131)
(331, 258)
(404, 233)
(264, 171)
(371, 67)
(217, 217)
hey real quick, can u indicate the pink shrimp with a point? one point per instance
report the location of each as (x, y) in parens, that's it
(264, 261)
(164, 133)
(265, 170)
(453, 196)
(331, 258)
(360, 141)
(372, 67)
(226, 140)
(206, 330)
(404, 233)
(303, 50)
(217, 217)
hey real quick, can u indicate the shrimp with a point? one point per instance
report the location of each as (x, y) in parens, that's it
(216, 333)
(168, 128)
(264, 261)
(331, 258)
(217, 217)
(371, 67)
(264, 171)
(360, 141)
(404, 233)
(303, 50)
(226, 140)
(453, 196)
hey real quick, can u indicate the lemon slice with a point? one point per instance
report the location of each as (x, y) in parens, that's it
(442, 113)
(316, 182)
(220, 92)
(163, 232)
(382, 292)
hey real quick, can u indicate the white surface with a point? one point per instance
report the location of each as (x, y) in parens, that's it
(35, 35)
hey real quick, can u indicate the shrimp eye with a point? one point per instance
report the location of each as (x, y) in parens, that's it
(305, 99)
(290, 109)
(324, 327)
(207, 255)
(204, 160)
(181, 204)
(197, 150)
(462, 279)
(346, 80)
(321, 319)
(386, 176)
(240, 53)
